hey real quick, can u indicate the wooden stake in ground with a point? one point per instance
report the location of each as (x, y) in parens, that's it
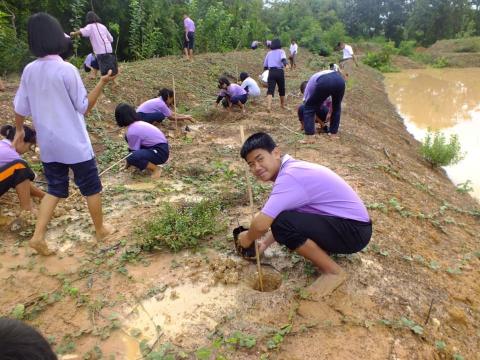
(175, 104)
(115, 163)
(252, 211)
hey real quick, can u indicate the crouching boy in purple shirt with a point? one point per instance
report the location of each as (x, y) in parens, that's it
(311, 210)
(147, 143)
(231, 94)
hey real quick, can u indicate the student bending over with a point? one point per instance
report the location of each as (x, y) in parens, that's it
(311, 210)
(157, 109)
(148, 145)
(91, 64)
(14, 171)
(231, 94)
(322, 114)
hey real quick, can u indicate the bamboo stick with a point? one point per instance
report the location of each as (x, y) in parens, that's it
(252, 211)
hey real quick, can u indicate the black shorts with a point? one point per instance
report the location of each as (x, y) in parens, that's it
(276, 76)
(191, 40)
(332, 234)
(14, 173)
(85, 175)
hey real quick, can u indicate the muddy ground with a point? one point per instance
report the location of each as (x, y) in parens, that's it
(412, 294)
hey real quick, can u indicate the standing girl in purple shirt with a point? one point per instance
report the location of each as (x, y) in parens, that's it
(148, 145)
(14, 171)
(189, 36)
(232, 94)
(157, 109)
(52, 93)
(310, 210)
(274, 62)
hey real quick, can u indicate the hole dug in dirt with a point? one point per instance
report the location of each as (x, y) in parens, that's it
(272, 279)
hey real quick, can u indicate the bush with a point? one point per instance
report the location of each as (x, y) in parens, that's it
(381, 60)
(407, 47)
(180, 227)
(440, 63)
(438, 152)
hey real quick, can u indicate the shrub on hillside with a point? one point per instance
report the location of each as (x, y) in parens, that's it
(438, 152)
(440, 63)
(407, 47)
(381, 60)
(182, 226)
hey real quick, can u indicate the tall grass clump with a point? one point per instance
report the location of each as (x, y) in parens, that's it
(181, 226)
(440, 152)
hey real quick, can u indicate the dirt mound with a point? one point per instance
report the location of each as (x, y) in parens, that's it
(465, 45)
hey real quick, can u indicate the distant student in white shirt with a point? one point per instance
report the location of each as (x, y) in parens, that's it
(293, 54)
(250, 86)
(348, 58)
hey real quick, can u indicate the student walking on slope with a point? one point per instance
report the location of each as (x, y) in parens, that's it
(348, 58)
(52, 93)
(311, 210)
(274, 62)
(189, 40)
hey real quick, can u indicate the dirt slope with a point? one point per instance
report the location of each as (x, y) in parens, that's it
(412, 294)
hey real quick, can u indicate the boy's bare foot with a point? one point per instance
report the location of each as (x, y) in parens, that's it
(309, 139)
(40, 245)
(156, 174)
(285, 108)
(326, 284)
(104, 232)
(333, 136)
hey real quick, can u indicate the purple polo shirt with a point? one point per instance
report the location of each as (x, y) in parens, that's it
(189, 25)
(154, 106)
(310, 188)
(274, 59)
(7, 152)
(233, 90)
(52, 92)
(100, 38)
(142, 134)
(312, 83)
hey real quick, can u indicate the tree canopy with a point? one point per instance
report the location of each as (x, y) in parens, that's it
(147, 28)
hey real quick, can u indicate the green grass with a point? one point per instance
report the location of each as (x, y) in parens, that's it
(440, 152)
(178, 227)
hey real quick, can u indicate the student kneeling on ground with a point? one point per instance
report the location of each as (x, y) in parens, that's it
(91, 64)
(231, 94)
(311, 210)
(158, 109)
(14, 171)
(148, 145)
(250, 86)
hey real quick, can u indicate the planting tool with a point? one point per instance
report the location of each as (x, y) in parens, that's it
(116, 163)
(175, 103)
(252, 210)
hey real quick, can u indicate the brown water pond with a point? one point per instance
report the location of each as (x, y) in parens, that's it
(447, 100)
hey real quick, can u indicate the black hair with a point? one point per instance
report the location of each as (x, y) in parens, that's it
(91, 18)
(8, 131)
(69, 51)
(165, 93)
(45, 35)
(303, 85)
(223, 80)
(243, 75)
(276, 44)
(258, 140)
(125, 115)
(20, 341)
